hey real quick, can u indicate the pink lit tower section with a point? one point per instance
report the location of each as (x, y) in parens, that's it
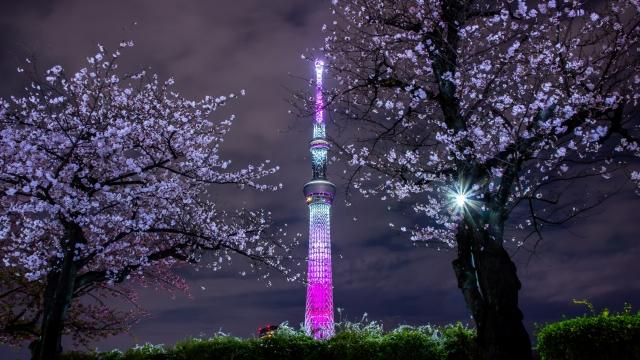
(319, 194)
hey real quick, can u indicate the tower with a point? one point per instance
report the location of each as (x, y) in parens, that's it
(319, 194)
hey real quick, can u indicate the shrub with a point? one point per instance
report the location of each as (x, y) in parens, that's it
(601, 336)
(287, 344)
(356, 341)
(77, 355)
(459, 342)
(111, 355)
(147, 352)
(353, 341)
(218, 347)
(411, 343)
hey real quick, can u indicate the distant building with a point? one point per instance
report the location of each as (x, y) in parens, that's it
(267, 331)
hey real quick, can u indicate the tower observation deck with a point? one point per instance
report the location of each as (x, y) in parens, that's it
(319, 193)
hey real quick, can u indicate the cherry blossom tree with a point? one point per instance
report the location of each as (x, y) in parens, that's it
(107, 176)
(91, 314)
(487, 116)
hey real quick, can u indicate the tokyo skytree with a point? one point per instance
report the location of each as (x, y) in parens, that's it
(319, 194)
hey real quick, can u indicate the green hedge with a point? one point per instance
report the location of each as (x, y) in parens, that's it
(601, 336)
(352, 342)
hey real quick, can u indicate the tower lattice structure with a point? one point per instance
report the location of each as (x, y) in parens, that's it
(319, 193)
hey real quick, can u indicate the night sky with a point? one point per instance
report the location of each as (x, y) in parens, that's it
(216, 47)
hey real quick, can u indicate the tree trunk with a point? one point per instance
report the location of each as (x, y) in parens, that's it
(57, 298)
(489, 282)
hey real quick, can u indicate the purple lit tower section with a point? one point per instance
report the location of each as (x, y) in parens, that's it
(319, 194)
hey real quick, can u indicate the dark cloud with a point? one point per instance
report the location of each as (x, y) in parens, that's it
(218, 47)
(298, 13)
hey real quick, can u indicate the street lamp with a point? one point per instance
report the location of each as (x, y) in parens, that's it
(462, 197)
(461, 200)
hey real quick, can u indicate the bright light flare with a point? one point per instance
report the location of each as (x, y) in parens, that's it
(461, 200)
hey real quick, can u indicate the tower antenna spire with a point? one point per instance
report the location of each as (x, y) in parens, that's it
(319, 193)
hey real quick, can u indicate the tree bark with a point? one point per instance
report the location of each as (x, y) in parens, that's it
(57, 298)
(489, 282)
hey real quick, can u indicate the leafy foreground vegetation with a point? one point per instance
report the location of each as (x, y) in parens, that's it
(353, 341)
(603, 336)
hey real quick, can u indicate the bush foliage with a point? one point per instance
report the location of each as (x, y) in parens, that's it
(353, 341)
(602, 336)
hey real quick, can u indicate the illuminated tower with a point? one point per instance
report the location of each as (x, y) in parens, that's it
(319, 194)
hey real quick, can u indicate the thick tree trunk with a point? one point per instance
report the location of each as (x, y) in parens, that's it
(57, 298)
(489, 282)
